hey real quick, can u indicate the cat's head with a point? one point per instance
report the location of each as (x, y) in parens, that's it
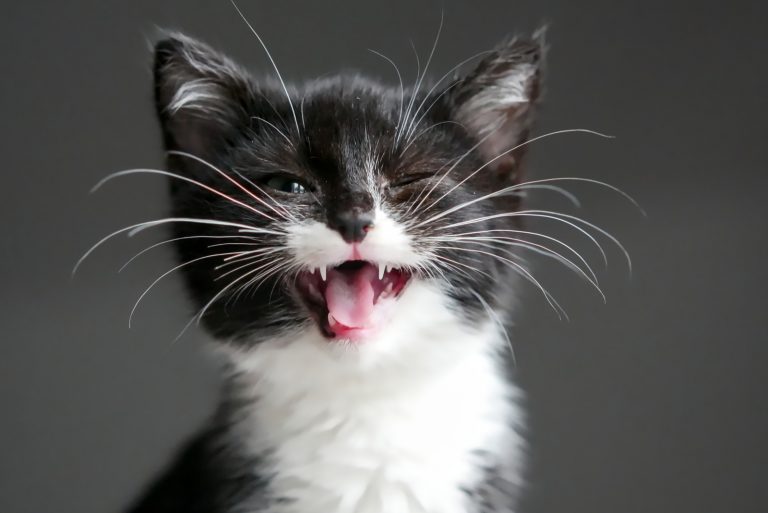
(343, 208)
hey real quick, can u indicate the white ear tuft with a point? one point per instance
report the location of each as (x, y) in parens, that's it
(495, 101)
(199, 93)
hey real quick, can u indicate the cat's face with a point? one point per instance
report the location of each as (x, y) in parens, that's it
(348, 208)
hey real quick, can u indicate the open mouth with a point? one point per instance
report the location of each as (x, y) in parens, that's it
(352, 299)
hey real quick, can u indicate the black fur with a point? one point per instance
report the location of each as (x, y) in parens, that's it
(241, 125)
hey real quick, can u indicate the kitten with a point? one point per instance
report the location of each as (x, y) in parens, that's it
(344, 244)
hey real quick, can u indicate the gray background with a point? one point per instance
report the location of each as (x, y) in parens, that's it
(654, 402)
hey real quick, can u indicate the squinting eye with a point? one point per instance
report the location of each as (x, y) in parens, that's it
(286, 184)
(409, 179)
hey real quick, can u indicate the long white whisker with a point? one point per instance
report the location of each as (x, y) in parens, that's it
(533, 184)
(527, 275)
(402, 90)
(456, 163)
(235, 182)
(290, 143)
(274, 65)
(598, 229)
(536, 248)
(185, 179)
(159, 278)
(153, 246)
(199, 315)
(399, 132)
(516, 147)
(421, 78)
(531, 213)
(283, 212)
(135, 228)
(495, 318)
(259, 279)
(415, 202)
(410, 142)
(435, 86)
(535, 234)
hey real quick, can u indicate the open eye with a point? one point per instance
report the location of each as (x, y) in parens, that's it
(410, 179)
(286, 184)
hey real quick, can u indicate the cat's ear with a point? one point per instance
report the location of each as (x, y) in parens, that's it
(495, 102)
(200, 95)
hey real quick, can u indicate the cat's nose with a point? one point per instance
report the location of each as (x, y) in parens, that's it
(352, 225)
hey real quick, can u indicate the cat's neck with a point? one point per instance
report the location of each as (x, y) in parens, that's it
(333, 428)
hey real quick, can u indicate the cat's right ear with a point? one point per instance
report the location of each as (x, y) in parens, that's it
(495, 102)
(200, 95)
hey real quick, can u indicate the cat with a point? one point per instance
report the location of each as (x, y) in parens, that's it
(351, 248)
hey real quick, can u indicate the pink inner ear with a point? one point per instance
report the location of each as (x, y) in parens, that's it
(495, 102)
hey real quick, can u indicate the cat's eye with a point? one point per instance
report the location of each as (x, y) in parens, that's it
(410, 179)
(286, 184)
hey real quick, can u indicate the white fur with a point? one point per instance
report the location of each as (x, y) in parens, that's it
(400, 423)
(313, 244)
(201, 94)
(495, 111)
(390, 426)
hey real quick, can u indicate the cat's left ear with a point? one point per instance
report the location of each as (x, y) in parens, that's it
(495, 102)
(201, 96)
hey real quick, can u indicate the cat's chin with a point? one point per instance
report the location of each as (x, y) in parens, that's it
(352, 301)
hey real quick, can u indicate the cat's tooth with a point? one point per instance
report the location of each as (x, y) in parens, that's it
(388, 268)
(323, 272)
(382, 270)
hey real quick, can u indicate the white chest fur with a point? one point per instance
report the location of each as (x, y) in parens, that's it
(399, 428)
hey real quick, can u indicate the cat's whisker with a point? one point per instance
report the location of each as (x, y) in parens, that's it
(522, 192)
(532, 213)
(456, 163)
(185, 179)
(159, 278)
(421, 79)
(255, 282)
(405, 149)
(402, 89)
(138, 227)
(290, 143)
(522, 271)
(240, 186)
(271, 60)
(272, 107)
(484, 233)
(287, 271)
(415, 203)
(399, 131)
(536, 248)
(279, 209)
(532, 184)
(199, 315)
(153, 246)
(301, 110)
(516, 147)
(235, 294)
(444, 91)
(496, 320)
(457, 266)
(249, 260)
(252, 252)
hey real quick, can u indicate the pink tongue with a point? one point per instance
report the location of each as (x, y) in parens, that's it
(349, 295)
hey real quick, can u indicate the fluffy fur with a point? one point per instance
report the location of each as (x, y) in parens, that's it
(421, 416)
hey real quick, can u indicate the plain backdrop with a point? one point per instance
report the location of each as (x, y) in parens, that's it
(653, 402)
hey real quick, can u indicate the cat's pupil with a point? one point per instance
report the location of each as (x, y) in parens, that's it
(285, 184)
